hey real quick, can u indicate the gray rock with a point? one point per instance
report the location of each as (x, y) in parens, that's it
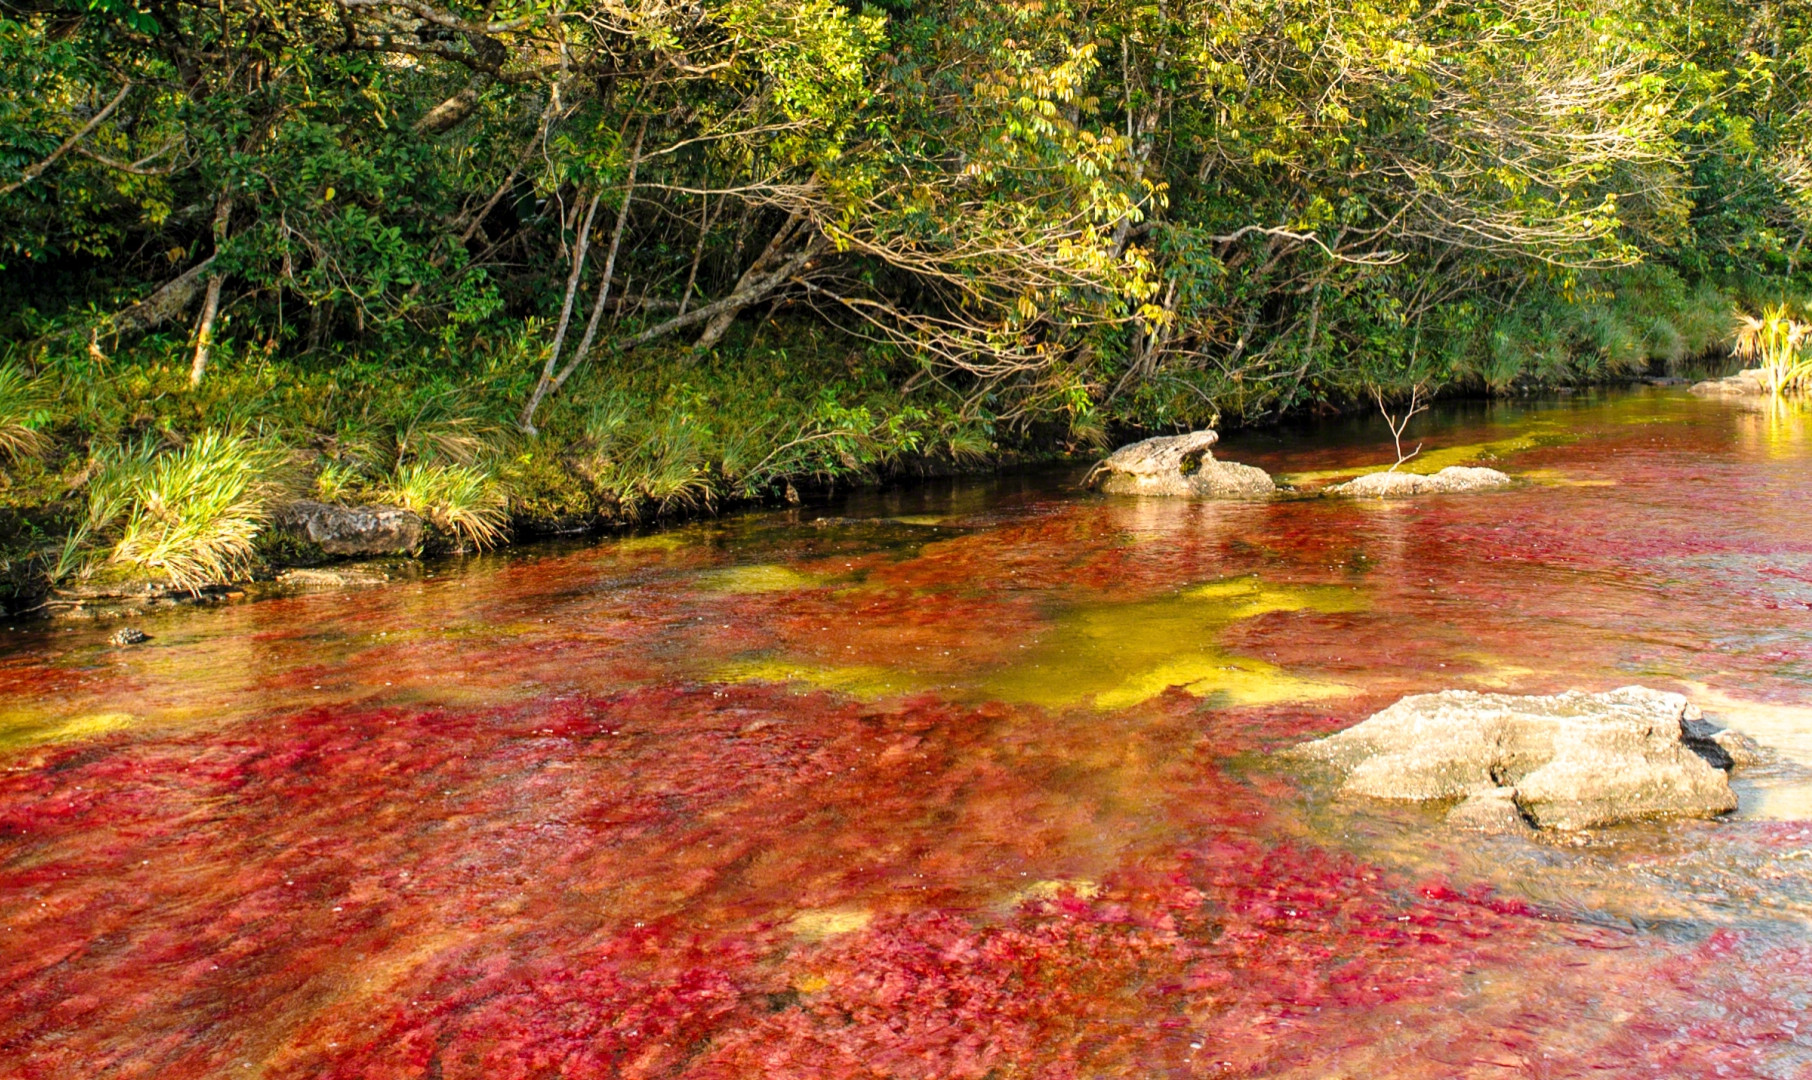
(128, 635)
(1752, 382)
(352, 530)
(1391, 485)
(1178, 466)
(1571, 761)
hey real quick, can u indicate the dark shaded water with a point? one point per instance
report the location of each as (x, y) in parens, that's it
(974, 785)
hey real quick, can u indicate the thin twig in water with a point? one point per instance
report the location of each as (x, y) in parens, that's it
(1398, 425)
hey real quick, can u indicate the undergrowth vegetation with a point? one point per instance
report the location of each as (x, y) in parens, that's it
(136, 476)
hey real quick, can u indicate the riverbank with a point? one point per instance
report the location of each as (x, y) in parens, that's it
(303, 544)
(118, 476)
(143, 493)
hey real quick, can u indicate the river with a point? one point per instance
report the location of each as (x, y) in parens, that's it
(967, 779)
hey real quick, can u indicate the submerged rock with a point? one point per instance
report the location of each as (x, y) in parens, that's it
(339, 577)
(1752, 382)
(352, 530)
(128, 635)
(1490, 810)
(1391, 485)
(1566, 761)
(1179, 466)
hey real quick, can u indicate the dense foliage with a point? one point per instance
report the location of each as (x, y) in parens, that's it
(713, 247)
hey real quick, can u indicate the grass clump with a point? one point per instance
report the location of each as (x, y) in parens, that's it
(188, 515)
(465, 501)
(21, 400)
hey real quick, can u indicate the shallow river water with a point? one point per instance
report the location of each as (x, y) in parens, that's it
(968, 780)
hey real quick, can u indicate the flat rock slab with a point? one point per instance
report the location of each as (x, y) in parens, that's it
(1566, 761)
(1393, 485)
(339, 577)
(1178, 466)
(352, 530)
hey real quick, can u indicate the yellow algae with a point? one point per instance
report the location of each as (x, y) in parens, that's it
(665, 542)
(759, 578)
(1491, 672)
(1434, 459)
(858, 680)
(1249, 597)
(24, 727)
(1122, 654)
(1231, 679)
(829, 922)
(920, 519)
(810, 984)
(1082, 888)
(1558, 478)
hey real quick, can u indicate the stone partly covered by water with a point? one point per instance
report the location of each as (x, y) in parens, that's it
(1454, 478)
(1180, 466)
(1567, 761)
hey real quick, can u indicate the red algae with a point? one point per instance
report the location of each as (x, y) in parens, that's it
(582, 814)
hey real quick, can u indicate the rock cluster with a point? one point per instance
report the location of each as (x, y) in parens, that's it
(1564, 761)
(1752, 382)
(1390, 485)
(1179, 466)
(352, 530)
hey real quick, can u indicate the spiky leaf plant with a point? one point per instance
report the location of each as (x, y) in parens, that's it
(188, 515)
(195, 516)
(1777, 342)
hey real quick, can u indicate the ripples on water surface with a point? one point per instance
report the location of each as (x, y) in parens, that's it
(974, 785)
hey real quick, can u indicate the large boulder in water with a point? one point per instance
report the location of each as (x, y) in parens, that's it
(352, 530)
(1567, 761)
(1391, 485)
(1178, 466)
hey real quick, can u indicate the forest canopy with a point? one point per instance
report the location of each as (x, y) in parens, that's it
(896, 226)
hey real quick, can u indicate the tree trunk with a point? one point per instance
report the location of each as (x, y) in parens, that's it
(720, 323)
(527, 420)
(204, 329)
(610, 267)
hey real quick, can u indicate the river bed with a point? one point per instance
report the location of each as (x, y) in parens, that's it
(969, 779)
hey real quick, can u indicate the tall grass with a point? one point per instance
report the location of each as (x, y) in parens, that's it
(1627, 323)
(464, 500)
(21, 398)
(188, 515)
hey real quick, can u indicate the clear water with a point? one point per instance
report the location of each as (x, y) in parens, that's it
(971, 779)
